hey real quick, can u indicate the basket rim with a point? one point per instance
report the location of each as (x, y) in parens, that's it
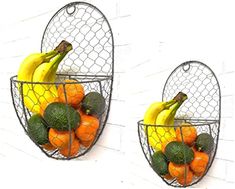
(194, 121)
(88, 79)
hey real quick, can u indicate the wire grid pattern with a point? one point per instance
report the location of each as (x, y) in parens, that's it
(91, 62)
(92, 84)
(87, 29)
(202, 126)
(201, 86)
(201, 109)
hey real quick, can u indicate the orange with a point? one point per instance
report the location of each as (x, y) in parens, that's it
(74, 92)
(176, 170)
(189, 133)
(87, 129)
(199, 163)
(60, 139)
(168, 177)
(87, 143)
(186, 180)
(199, 174)
(72, 151)
(45, 103)
(48, 146)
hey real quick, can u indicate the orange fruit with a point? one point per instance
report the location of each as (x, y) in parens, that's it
(199, 174)
(189, 133)
(87, 143)
(168, 177)
(72, 151)
(199, 163)
(176, 170)
(45, 103)
(48, 146)
(87, 129)
(74, 92)
(60, 139)
(186, 180)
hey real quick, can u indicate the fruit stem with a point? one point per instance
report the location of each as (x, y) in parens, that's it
(63, 47)
(170, 103)
(180, 97)
(49, 55)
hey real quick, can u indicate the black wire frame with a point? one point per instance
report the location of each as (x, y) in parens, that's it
(86, 77)
(197, 122)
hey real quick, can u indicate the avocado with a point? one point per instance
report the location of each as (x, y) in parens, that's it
(62, 117)
(204, 143)
(37, 129)
(179, 153)
(93, 104)
(160, 163)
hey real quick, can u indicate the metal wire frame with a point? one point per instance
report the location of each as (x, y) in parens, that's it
(183, 78)
(95, 84)
(91, 62)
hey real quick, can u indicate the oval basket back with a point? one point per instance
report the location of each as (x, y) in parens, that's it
(92, 57)
(203, 106)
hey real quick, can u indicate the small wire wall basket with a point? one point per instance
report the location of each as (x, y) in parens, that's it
(201, 110)
(90, 63)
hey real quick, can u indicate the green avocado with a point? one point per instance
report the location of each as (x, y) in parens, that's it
(204, 143)
(93, 104)
(160, 163)
(62, 117)
(179, 153)
(37, 129)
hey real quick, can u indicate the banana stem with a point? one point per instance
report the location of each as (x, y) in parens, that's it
(48, 56)
(64, 47)
(180, 97)
(170, 103)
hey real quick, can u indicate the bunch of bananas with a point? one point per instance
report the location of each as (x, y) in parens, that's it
(37, 74)
(159, 121)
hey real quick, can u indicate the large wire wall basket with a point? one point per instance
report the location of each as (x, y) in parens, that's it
(201, 110)
(90, 63)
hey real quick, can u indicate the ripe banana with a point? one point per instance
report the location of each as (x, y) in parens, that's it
(25, 74)
(165, 120)
(46, 73)
(150, 118)
(27, 70)
(157, 117)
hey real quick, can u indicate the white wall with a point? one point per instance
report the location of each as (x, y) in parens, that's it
(151, 39)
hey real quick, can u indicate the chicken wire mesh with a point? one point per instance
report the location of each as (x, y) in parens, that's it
(90, 64)
(201, 109)
(88, 30)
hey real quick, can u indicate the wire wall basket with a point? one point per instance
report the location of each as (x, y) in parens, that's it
(198, 118)
(89, 64)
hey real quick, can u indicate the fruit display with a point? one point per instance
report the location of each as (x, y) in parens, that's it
(65, 118)
(179, 135)
(180, 152)
(62, 94)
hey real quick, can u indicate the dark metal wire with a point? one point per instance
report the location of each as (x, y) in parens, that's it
(202, 108)
(90, 63)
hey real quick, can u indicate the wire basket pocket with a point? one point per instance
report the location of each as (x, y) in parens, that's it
(182, 153)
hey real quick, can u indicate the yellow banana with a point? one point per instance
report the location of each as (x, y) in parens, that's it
(27, 70)
(165, 120)
(25, 74)
(46, 73)
(150, 118)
